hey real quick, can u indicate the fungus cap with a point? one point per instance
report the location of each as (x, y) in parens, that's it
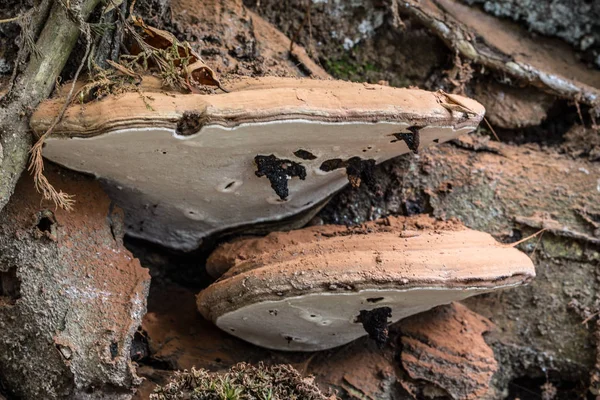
(306, 290)
(184, 166)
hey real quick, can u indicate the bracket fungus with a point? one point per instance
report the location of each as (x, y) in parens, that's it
(184, 166)
(324, 286)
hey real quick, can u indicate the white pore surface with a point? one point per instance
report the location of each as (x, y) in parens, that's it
(176, 190)
(321, 321)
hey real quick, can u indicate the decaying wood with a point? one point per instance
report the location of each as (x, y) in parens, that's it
(504, 46)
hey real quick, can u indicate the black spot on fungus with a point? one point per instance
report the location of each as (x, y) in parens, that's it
(375, 322)
(436, 140)
(412, 138)
(374, 299)
(278, 172)
(357, 169)
(10, 287)
(305, 155)
(189, 123)
(332, 164)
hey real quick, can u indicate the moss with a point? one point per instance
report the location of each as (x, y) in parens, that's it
(349, 69)
(242, 381)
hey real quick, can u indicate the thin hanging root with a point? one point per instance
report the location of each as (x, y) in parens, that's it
(42, 185)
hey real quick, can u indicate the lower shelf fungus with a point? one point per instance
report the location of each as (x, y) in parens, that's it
(324, 286)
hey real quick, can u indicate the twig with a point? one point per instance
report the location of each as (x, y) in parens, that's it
(36, 164)
(536, 245)
(24, 22)
(306, 18)
(396, 20)
(4, 21)
(576, 102)
(491, 129)
(591, 317)
(527, 238)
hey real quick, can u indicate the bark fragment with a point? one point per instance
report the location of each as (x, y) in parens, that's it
(445, 347)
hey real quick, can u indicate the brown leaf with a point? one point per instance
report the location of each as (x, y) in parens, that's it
(202, 73)
(161, 39)
(452, 103)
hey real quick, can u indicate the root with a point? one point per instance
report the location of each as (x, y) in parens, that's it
(42, 185)
(36, 162)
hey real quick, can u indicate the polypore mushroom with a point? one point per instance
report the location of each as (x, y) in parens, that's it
(184, 166)
(323, 286)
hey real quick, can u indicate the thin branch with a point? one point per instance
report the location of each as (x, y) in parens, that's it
(527, 238)
(491, 129)
(297, 34)
(7, 20)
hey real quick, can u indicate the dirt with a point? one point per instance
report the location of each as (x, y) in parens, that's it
(512, 107)
(77, 295)
(580, 141)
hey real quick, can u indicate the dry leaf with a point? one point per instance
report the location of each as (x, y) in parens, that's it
(197, 69)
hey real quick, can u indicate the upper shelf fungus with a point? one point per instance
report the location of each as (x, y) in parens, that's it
(184, 166)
